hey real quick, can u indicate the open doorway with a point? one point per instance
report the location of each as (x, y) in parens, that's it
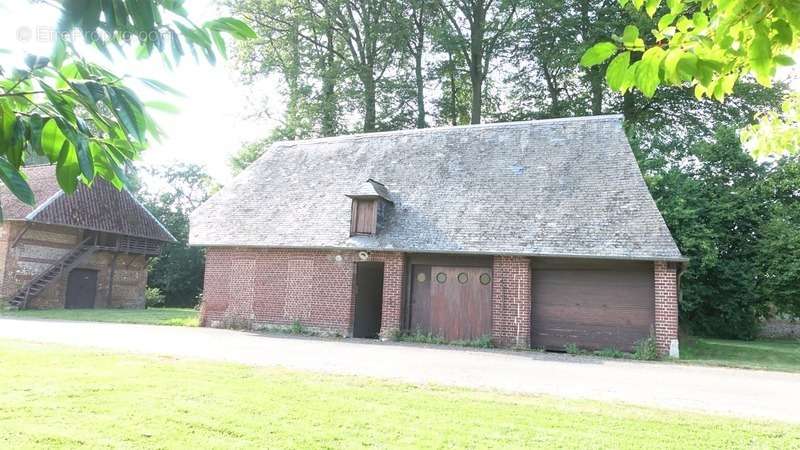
(369, 299)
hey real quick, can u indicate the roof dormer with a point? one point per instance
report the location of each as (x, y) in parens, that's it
(368, 208)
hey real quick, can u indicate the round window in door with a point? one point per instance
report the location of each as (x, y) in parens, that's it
(463, 278)
(485, 279)
(441, 277)
(421, 278)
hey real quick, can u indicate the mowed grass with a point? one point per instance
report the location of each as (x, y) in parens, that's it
(58, 397)
(186, 317)
(759, 354)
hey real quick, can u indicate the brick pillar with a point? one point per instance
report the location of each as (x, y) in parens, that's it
(394, 267)
(666, 287)
(511, 301)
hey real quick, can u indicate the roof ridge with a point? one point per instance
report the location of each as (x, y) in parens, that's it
(413, 131)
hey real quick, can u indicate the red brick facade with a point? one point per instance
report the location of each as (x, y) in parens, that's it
(247, 288)
(250, 288)
(511, 301)
(666, 320)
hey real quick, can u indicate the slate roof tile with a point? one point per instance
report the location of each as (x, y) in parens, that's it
(563, 187)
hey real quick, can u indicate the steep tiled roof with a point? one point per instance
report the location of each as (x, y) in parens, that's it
(565, 187)
(99, 208)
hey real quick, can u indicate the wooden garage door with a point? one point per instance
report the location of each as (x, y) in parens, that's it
(454, 303)
(592, 304)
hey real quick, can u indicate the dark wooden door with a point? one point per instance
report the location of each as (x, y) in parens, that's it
(81, 288)
(461, 305)
(369, 300)
(420, 298)
(592, 305)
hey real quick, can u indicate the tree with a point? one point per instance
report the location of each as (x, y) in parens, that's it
(480, 28)
(779, 255)
(369, 36)
(776, 132)
(80, 115)
(710, 196)
(171, 195)
(707, 44)
(249, 152)
(417, 17)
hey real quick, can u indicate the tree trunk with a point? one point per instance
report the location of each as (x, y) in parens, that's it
(552, 90)
(593, 74)
(453, 102)
(292, 79)
(368, 79)
(328, 127)
(596, 82)
(420, 89)
(476, 62)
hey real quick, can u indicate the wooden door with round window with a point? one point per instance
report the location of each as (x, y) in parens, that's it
(460, 302)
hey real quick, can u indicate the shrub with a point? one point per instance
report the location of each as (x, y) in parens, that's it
(572, 349)
(297, 328)
(419, 337)
(645, 349)
(153, 297)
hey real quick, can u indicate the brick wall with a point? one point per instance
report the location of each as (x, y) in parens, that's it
(666, 320)
(248, 288)
(511, 301)
(43, 245)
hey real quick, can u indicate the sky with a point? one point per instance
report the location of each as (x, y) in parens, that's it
(216, 109)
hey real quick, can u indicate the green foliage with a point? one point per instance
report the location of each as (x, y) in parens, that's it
(710, 45)
(248, 154)
(297, 328)
(421, 337)
(573, 349)
(645, 350)
(736, 220)
(775, 133)
(171, 194)
(153, 297)
(80, 115)
(610, 352)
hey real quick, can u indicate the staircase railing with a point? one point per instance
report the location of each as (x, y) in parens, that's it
(23, 295)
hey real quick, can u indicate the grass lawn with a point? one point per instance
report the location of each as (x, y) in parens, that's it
(154, 316)
(59, 397)
(759, 354)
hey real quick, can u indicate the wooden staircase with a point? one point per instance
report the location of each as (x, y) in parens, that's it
(40, 282)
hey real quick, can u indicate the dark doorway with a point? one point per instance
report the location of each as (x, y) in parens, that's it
(81, 288)
(369, 299)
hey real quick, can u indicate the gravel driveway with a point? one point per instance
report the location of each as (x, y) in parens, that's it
(737, 392)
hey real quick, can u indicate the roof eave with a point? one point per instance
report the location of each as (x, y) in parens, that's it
(678, 259)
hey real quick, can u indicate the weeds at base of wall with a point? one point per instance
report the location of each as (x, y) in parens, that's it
(420, 337)
(295, 329)
(644, 350)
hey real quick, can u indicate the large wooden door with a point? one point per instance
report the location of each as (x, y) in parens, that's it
(81, 288)
(594, 305)
(460, 304)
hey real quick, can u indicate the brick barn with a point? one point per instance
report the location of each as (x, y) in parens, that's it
(88, 249)
(536, 234)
